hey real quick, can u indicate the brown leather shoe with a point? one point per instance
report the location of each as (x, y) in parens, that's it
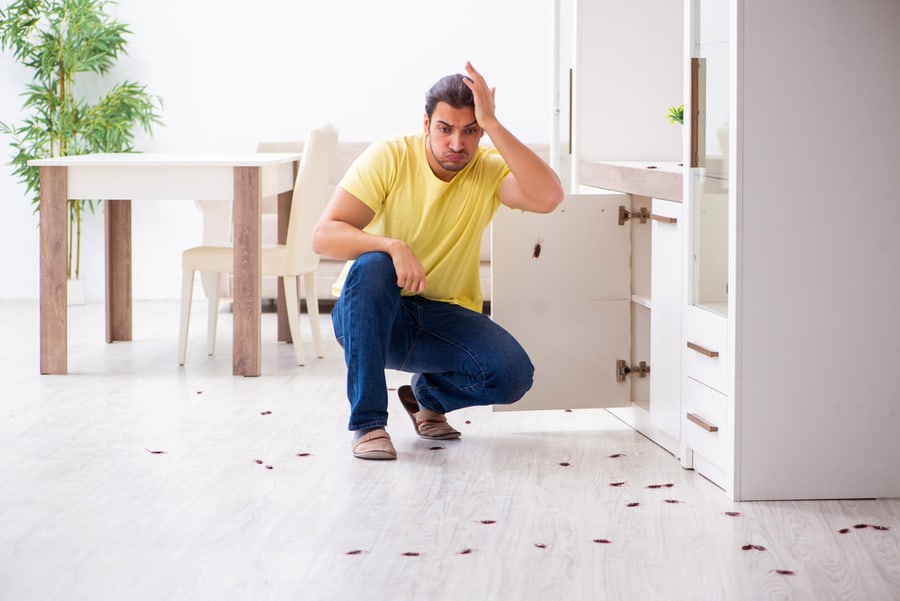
(374, 445)
(428, 424)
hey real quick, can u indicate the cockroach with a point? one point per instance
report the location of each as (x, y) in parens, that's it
(304, 454)
(732, 514)
(565, 463)
(602, 541)
(488, 521)
(465, 552)
(411, 554)
(632, 504)
(355, 552)
(270, 467)
(437, 448)
(265, 413)
(540, 545)
(749, 546)
(667, 485)
(567, 410)
(258, 461)
(616, 455)
(622, 483)
(861, 526)
(536, 254)
(783, 572)
(672, 501)
(199, 392)
(154, 452)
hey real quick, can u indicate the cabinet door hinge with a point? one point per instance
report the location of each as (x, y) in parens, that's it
(623, 370)
(642, 215)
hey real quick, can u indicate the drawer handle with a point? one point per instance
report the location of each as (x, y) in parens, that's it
(693, 417)
(702, 350)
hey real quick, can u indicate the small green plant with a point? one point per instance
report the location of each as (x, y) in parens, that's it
(59, 41)
(676, 114)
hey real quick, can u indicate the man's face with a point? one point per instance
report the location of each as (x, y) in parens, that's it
(453, 136)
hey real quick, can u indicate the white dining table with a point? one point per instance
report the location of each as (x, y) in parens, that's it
(120, 178)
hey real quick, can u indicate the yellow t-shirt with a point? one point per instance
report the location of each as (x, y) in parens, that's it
(442, 222)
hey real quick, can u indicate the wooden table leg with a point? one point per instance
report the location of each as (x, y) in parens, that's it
(247, 271)
(117, 231)
(54, 303)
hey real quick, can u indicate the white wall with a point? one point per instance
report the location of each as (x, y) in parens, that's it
(232, 72)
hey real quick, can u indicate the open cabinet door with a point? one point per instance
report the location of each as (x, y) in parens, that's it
(561, 284)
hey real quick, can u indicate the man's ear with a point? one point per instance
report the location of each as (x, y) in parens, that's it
(427, 123)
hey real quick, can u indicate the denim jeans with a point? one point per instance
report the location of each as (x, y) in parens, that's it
(458, 357)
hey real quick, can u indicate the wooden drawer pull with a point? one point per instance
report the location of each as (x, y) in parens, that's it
(693, 417)
(702, 350)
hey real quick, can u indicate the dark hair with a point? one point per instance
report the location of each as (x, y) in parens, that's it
(450, 89)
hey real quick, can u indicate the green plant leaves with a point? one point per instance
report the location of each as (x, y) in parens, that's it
(58, 40)
(676, 114)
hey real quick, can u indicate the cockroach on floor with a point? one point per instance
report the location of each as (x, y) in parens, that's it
(536, 254)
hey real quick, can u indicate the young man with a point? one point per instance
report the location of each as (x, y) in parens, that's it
(410, 214)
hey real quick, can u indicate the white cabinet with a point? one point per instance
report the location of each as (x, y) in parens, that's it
(619, 69)
(790, 323)
(599, 311)
(597, 307)
(783, 380)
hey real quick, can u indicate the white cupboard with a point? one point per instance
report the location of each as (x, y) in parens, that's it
(785, 292)
(592, 291)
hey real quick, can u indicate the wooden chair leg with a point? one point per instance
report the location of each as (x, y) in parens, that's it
(312, 309)
(187, 293)
(212, 285)
(292, 308)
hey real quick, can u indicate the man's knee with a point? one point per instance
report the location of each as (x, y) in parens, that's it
(514, 380)
(373, 271)
(374, 263)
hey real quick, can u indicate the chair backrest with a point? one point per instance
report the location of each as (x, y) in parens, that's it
(310, 195)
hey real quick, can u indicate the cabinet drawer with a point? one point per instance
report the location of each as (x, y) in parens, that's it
(705, 348)
(704, 420)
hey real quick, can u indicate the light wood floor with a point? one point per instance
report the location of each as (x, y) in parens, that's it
(510, 512)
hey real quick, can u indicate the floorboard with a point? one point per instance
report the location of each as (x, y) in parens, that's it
(134, 478)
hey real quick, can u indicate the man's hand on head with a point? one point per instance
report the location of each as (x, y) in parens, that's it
(484, 98)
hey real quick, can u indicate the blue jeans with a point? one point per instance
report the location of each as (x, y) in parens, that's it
(458, 357)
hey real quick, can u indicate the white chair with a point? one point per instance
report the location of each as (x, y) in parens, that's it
(290, 261)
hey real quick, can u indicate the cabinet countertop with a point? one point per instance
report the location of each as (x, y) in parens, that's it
(656, 179)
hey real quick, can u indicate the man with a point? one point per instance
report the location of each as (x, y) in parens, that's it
(410, 214)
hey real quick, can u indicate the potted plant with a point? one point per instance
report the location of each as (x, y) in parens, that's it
(676, 114)
(60, 41)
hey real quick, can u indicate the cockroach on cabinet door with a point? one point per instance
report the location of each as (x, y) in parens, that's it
(536, 253)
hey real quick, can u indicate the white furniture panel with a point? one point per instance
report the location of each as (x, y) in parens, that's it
(705, 413)
(665, 318)
(705, 348)
(574, 340)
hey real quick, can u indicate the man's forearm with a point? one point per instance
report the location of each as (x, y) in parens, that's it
(340, 240)
(536, 178)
